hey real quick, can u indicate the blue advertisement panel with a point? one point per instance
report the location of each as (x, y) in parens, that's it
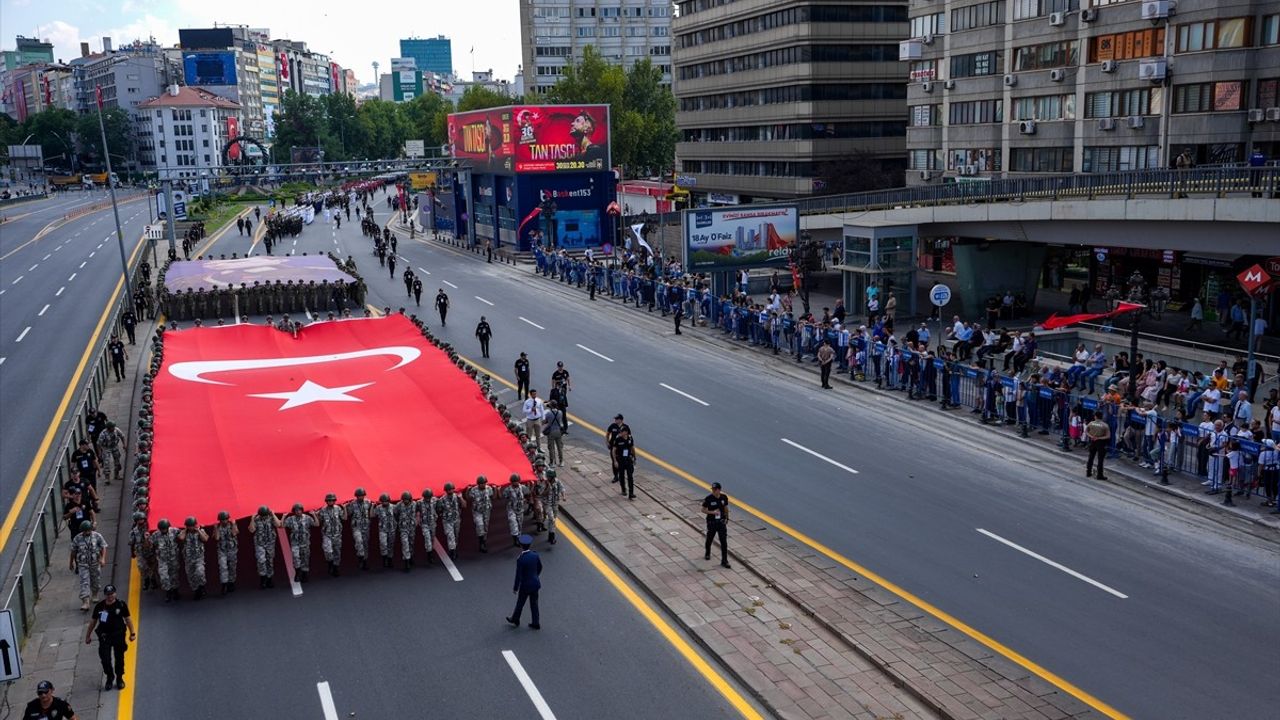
(209, 68)
(739, 238)
(580, 202)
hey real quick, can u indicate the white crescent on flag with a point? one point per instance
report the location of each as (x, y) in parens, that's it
(194, 370)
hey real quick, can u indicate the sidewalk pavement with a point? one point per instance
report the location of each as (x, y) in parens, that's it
(805, 635)
(55, 650)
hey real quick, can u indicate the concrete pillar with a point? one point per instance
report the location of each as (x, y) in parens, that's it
(990, 267)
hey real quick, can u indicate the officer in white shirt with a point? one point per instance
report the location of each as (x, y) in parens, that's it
(534, 410)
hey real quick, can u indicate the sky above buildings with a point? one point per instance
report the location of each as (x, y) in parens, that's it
(354, 34)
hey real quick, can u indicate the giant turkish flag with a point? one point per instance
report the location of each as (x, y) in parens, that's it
(246, 415)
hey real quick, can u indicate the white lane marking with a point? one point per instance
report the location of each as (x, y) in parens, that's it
(46, 257)
(288, 562)
(77, 235)
(42, 311)
(1053, 564)
(73, 277)
(86, 262)
(57, 248)
(99, 247)
(532, 322)
(444, 558)
(544, 710)
(326, 701)
(18, 279)
(820, 456)
(23, 334)
(425, 270)
(64, 287)
(606, 358)
(446, 282)
(33, 267)
(95, 252)
(703, 403)
(2, 360)
(486, 302)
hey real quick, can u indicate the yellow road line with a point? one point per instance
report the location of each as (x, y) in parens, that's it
(19, 501)
(858, 569)
(663, 627)
(125, 706)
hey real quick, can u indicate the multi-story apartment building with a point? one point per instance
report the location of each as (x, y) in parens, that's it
(769, 92)
(19, 94)
(434, 55)
(181, 132)
(554, 33)
(1046, 86)
(126, 75)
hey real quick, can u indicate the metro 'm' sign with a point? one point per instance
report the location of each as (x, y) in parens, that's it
(1254, 279)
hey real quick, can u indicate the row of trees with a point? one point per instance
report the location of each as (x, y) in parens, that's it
(68, 139)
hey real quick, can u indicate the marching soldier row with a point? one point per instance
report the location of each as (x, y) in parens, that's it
(163, 553)
(261, 298)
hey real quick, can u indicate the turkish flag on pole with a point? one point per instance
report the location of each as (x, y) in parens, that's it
(1054, 322)
(246, 415)
(98, 92)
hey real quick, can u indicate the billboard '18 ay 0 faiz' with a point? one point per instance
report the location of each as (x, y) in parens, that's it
(739, 238)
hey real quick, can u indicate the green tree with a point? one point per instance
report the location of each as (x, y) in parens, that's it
(383, 127)
(342, 142)
(300, 122)
(478, 97)
(428, 115)
(119, 127)
(54, 130)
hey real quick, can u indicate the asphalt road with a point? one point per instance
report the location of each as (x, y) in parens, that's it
(52, 295)
(921, 509)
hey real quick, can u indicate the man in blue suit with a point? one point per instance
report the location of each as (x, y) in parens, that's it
(527, 585)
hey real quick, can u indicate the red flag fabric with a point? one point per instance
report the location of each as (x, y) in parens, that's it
(98, 92)
(246, 415)
(532, 214)
(1054, 322)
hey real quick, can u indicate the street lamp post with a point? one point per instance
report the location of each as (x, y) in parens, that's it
(115, 209)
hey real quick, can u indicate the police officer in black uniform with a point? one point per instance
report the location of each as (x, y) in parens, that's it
(47, 706)
(483, 333)
(118, 354)
(624, 459)
(129, 321)
(110, 619)
(522, 377)
(716, 507)
(442, 304)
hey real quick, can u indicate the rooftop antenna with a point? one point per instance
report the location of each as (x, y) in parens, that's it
(376, 77)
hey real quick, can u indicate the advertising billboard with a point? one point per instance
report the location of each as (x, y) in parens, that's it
(209, 68)
(533, 138)
(732, 238)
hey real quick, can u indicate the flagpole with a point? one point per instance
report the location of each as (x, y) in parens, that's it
(115, 209)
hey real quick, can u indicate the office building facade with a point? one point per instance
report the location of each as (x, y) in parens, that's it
(1002, 87)
(182, 132)
(554, 33)
(434, 55)
(771, 96)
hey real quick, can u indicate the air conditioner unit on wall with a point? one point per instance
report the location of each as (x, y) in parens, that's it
(950, 84)
(1058, 75)
(1273, 114)
(1088, 15)
(925, 175)
(1109, 66)
(1027, 127)
(926, 86)
(1057, 18)
(927, 39)
(1136, 122)
(966, 169)
(1010, 80)
(1257, 115)
(1156, 9)
(1106, 123)
(1154, 70)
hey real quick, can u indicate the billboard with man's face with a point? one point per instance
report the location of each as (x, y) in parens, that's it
(533, 138)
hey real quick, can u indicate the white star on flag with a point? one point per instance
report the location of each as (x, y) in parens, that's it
(310, 392)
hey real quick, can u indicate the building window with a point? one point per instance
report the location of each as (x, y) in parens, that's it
(586, 31)
(796, 131)
(1124, 103)
(611, 31)
(584, 12)
(927, 159)
(1045, 56)
(795, 93)
(1213, 35)
(977, 16)
(1044, 107)
(932, 24)
(923, 115)
(924, 70)
(1270, 30)
(1049, 159)
(1120, 159)
(1024, 9)
(1269, 93)
(1208, 97)
(984, 159)
(975, 112)
(660, 31)
(977, 64)
(206, 142)
(1123, 46)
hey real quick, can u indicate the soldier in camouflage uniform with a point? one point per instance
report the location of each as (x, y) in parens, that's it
(111, 444)
(297, 525)
(407, 524)
(552, 492)
(386, 514)
(427, 521)
(331, 517)
(263, 528)
(224, 538)
(165, 541)
(358, 511)
(514, 495)
(143, 553)
(88, 555)
(193, 537)
(480, 498)
(449, 508)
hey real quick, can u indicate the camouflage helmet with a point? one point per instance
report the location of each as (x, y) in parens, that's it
(139, 517)
(406, 496)
(264, 510)
(384, 498)
(514, 479)
(163, 525)
(551, 473)
(86, 526)
(428, 492)
(297, 507)
(191, 521)
(481, 480)
(331, 497)
(224, 516)
(110, 424)
(448, 487)
(360, 492)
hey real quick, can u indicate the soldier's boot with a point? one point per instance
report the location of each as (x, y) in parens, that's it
(271, 582)
(231, 587)
(262, 582)
(224, 589)
(146, 583)
(336, 571)
(515, 541)
(484, 548)
(297, 576)
(541, 528)
(84, 604)
(430, 558)
(386, 561)
(551, 537)
(453, 554)
(199, 592)
(407, 564)
(306, 575)
(364, 563)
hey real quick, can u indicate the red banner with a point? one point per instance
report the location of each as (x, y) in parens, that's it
(1054, 322)
(233, 132)
(533, 138)
(483, 137)
(247, 415)
(532, 214)
(284, 66)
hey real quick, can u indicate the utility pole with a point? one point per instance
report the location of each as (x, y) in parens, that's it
(115, 209)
